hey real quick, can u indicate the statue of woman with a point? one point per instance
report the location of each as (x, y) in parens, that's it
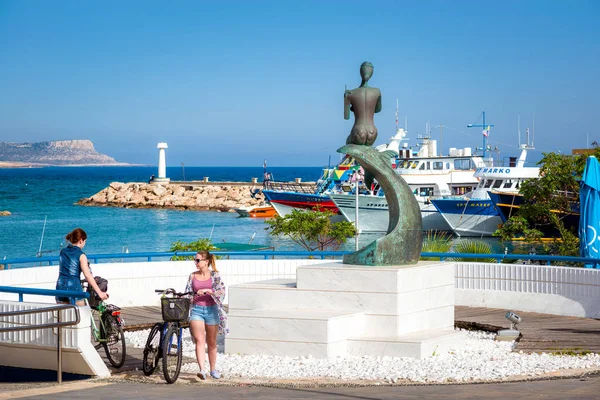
(364, 102)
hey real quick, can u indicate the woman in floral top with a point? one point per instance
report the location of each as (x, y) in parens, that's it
(207, 317)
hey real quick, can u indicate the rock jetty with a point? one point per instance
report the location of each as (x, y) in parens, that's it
(201, 196)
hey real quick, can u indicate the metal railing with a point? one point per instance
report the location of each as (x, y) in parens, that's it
(267, 254)
(44, 292)
(308, 188)
(58, 324)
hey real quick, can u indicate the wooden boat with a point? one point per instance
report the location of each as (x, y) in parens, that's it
(265, 211)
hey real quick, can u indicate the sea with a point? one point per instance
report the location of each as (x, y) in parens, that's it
(42, 203)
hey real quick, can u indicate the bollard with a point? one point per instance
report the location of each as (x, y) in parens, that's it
(206, 179)
(254, 180)
(298, 180)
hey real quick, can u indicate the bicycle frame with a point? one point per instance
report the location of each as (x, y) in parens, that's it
(165, 328)
(100, 311)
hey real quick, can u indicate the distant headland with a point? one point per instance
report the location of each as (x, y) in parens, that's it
(53, 153)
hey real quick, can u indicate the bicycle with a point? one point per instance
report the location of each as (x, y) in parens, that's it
(164, 339)
(109, 334)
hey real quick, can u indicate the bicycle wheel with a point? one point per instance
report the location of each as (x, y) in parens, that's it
(113, 340)
(152, 351)
(171, 353)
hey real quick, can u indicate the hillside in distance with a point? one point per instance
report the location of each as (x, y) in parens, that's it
(60, 152)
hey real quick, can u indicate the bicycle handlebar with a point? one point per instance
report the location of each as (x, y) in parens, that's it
(172, 291)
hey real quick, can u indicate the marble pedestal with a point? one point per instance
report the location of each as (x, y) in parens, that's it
(335, 309)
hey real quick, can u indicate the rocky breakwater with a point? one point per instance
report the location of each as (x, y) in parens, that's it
(213, 196)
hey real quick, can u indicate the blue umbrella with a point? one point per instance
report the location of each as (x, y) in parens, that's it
(589, 202)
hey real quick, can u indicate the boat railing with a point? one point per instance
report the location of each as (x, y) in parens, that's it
(308, 188)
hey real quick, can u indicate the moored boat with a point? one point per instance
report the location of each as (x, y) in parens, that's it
(475, 214)
(265, 211)
(429, 175)
(508, 204)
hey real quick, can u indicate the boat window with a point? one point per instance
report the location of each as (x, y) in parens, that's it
(463, 164)
(422, 167)
(428, 165)
(438, 165)
(497, 183)
(518, 185)
(425, 191)
(508, 183)
(458, 190)
(447, 165)
(415, 164)
(488, 183)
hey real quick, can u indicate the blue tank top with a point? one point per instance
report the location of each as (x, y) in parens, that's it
(69, 262)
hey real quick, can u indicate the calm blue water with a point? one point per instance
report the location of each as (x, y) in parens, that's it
(33, 194)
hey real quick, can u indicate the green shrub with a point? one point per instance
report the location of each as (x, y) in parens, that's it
(436, 242)
(473, 247)
(313, 230)
(198, 245)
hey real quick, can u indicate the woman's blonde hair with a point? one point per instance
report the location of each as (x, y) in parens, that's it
(212, 260)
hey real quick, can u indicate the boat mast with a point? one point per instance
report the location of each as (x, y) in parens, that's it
(533, 129)
(485, 132)
(396, 114)
(519, 129)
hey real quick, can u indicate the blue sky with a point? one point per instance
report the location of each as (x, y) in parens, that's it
(236, 82)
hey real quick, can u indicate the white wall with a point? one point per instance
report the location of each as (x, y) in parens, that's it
(537, 288)
(133, 283)
(545, 289)
(38, 348)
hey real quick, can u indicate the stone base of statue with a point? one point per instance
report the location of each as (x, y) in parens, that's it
(333, 309)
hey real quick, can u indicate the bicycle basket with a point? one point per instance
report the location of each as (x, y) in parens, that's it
(94, 300)
(175, 308)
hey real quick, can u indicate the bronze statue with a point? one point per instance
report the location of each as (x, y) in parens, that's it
(402, 244)
(364, 102)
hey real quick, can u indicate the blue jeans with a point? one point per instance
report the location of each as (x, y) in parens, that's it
(208, 314)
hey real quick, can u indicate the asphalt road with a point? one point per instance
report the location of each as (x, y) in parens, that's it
(581, 388)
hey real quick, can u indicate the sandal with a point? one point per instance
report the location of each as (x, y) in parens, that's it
(215, 374)
(201, 375)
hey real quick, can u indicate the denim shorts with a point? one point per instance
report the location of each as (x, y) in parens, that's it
(68, 283)
(208, 314)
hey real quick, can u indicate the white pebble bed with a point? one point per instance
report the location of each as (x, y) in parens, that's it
(483, 359)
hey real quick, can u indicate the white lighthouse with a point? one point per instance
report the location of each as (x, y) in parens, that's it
(162, 163)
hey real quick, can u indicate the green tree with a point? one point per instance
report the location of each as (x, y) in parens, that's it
(313, 230)
(198, 245)
(547, 202)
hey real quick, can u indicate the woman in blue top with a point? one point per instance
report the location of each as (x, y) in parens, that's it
(72, 263)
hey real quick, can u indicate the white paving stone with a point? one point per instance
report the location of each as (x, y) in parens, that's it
(482, 359)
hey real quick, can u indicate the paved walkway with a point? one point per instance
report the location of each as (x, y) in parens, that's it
(581, 388)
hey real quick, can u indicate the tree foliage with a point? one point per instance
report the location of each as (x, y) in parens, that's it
(470, 246)
(199, 245)
(548, 201)
(436, 242)
(313, 230)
